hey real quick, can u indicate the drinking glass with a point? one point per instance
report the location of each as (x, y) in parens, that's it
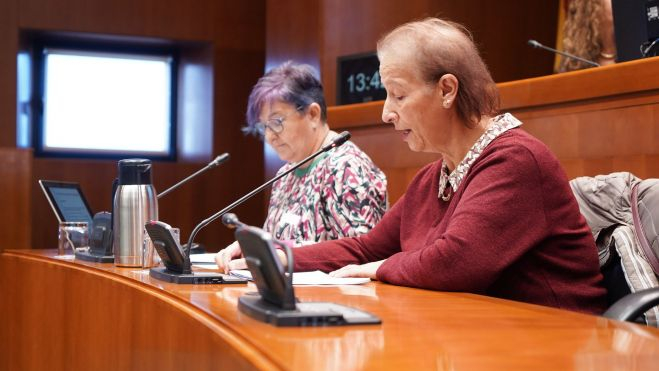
(72, 236)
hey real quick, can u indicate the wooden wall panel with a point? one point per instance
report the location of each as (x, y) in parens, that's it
(501, 30)
(156, 18)
(8, 47)
(603, 141)
(244, 171)
(15, 178)
(237, 24)
(293, 31)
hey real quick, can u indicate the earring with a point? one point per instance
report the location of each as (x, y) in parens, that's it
(447, 103)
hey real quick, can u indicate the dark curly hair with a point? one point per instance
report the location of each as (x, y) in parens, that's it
(581, 35)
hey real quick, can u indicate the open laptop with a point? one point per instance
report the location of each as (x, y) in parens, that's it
(70, 205)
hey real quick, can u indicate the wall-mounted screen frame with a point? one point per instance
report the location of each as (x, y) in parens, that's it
(95, 99)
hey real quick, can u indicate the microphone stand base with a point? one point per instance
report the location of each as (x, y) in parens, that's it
(87, 256)
(194, 278)
(305, 314)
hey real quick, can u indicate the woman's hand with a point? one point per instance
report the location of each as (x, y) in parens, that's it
(228, 258)
(231, 258)
(367, 270)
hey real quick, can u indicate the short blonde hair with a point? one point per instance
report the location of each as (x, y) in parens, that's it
(443, 47)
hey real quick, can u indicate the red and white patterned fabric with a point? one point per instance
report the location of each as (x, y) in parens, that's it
(341, 194)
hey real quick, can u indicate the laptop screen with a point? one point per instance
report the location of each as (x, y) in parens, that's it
(67, 201)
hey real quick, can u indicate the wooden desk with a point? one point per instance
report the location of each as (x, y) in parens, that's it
(83, 316)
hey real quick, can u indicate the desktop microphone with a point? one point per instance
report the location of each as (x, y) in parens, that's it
(275, 302)
(337, 141)
(216, 162)
(536, 44)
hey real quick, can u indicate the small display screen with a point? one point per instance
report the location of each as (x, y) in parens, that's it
(358, 79)
(70, 203)
(67, 201)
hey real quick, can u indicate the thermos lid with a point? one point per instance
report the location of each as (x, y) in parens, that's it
(134, 171)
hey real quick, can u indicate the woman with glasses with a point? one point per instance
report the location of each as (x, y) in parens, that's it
(494, 216)
(341, 193)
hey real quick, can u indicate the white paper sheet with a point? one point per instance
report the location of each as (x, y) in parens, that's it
(206, 266)
(312, 278)
(208, 258)
(207, 261)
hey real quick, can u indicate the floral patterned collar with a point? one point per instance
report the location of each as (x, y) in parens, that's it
(498, 125)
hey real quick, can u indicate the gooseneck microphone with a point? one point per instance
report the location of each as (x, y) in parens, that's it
(337, 141)
(215, 163)
(536, 44)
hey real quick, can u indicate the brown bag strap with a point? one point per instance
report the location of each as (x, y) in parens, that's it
(640, 234)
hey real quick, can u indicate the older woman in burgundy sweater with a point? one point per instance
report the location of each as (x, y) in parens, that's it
(494, 216)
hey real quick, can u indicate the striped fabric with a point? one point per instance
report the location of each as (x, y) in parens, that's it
(606, 203)
(638, 272)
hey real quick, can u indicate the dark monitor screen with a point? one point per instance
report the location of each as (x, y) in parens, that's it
(67, 201)
(636, 23)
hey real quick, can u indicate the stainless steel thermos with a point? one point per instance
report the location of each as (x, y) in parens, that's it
(135, 203)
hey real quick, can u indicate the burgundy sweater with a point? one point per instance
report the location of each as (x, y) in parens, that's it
(511, 230)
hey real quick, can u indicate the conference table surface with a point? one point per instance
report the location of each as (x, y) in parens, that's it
(64, 314)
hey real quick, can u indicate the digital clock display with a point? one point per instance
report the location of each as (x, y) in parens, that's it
(358, 79)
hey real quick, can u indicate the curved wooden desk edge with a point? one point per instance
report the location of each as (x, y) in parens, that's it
(215, 323)
(158, 327)
(592, 83)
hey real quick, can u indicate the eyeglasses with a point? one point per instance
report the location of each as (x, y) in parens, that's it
(276, 124)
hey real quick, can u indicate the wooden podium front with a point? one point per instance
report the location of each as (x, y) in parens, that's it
(69, 315)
